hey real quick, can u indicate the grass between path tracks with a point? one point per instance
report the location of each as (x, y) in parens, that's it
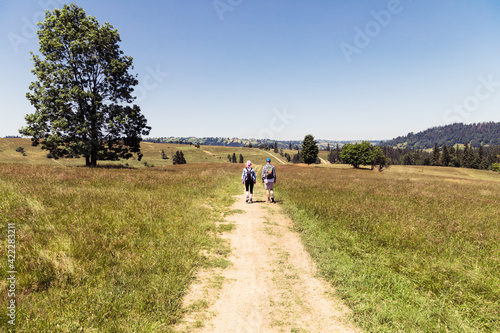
(109, 250)
(409, 249)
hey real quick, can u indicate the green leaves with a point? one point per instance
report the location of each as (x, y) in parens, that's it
(357, 154)
(82, 82)
(309, 149)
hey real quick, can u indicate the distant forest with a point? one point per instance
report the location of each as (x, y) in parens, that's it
(237, 142)
(481, 134)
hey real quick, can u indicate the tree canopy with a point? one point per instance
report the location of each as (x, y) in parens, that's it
(357, 154)
(82, 90)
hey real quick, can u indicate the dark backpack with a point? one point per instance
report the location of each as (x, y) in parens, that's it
(249, 175)
(269, 172)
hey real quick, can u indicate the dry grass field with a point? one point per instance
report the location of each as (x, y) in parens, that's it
(109, 250)
(411, 249)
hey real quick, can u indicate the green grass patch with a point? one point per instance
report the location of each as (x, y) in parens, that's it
(409, 249)
(152, 155)
(110, 250)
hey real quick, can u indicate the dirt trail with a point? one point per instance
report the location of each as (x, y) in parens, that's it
(281, 161)
(323, 161)
(272, 284)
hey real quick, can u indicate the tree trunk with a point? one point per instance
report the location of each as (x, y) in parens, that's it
(93, 160)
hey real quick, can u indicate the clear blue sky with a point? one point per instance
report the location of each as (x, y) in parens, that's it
(351, 69)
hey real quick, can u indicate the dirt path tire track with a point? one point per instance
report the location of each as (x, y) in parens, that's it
(281, 161)
(272, 285)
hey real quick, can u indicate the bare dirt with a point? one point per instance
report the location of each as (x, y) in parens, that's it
(279, 160)
(272, 284)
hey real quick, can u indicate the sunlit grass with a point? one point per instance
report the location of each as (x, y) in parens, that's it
(110, 249)
(410, 249)
(152, 155)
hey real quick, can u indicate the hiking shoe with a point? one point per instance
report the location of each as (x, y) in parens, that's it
(272, 200)
(268, 200)
(246, 200)
(251, 201)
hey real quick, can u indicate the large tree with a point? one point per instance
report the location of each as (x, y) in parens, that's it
(357, 154)
(82, 90)
(309, 149)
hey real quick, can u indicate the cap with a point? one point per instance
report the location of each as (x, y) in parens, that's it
(268, 159)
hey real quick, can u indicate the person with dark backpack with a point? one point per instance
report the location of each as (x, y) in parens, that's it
(269, 178)
(249, 178)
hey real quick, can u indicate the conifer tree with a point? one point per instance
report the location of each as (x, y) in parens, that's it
(310, 149)
(435, 155)
(445, 156)
(178, 158)
(468, 158)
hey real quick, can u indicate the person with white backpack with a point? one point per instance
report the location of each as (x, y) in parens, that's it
(249, 178)
(269, 178)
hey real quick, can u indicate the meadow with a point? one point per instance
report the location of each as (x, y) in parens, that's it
(152, 155)
(411, 249)
(110, 250)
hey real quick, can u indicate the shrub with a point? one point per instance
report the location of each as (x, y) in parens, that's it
(495, 167)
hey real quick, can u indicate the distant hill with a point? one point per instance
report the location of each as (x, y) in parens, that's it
(480, 134)
(237, 142)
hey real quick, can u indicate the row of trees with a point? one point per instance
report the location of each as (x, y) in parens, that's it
(466, 157)
(356, 154)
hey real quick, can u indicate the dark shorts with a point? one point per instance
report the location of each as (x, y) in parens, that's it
(249, 184)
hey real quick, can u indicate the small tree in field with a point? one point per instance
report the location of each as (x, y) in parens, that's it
(83, 83)
(179, 158)
(233, 158)
(242, 160)
(357, 154)
(310, 149)
(379, 158)
(297, 158)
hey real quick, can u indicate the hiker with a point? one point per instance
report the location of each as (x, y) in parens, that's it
(269, 178)
(249, 178)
